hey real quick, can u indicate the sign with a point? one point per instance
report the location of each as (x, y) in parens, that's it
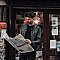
(55, 30)
(52, 44)
(54, 21)
(3, 25)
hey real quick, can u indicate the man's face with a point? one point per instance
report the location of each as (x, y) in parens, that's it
(30, 23)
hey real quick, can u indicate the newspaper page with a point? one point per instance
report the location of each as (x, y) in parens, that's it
(20, 44)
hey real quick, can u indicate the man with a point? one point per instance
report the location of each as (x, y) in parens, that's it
(30, 31)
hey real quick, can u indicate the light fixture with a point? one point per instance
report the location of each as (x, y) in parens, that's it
(2, 3)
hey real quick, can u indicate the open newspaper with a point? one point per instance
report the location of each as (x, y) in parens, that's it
(19, 44)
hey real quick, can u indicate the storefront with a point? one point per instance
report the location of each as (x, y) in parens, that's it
(17, 11)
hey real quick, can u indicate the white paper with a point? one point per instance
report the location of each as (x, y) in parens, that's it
(55, 31)
(54, 21)
(19, 44)
(52, 44)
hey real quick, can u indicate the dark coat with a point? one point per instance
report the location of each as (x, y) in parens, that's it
(35, 34)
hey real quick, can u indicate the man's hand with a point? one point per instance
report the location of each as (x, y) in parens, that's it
(27, 41)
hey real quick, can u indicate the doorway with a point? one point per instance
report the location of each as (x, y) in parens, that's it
(21, 16)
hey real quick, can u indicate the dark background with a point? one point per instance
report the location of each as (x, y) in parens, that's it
(35, 3)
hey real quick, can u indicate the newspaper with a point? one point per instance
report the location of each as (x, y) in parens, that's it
(19, 44)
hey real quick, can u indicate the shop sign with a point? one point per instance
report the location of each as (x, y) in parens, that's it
(3, 25)
(52, 44)
(55, 30)
(54, 21)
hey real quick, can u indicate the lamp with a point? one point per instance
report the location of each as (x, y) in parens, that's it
(2, 2)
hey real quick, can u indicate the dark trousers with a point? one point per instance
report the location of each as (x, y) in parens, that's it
(28, 56)
(58, 56)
